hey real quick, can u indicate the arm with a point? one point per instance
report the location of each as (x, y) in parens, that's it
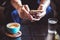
(16, 4)
(23, 10)
(42, 7)
(44, 4)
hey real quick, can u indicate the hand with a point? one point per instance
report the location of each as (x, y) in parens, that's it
(42, 12)
(34, 14)
(37, 14)
(42, 7)
(24, 12)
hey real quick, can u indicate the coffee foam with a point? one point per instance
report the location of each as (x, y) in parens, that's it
(13, 25)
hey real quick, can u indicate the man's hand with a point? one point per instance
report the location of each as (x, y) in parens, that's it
(42, 12)
(42, 7)
(37, 14)
(24, 12)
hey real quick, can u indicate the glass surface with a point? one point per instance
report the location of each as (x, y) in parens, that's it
(52, 24)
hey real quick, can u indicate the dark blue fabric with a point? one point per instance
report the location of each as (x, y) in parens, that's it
(15, 16)
(48, 9)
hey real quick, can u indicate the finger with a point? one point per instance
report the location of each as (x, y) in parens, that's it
(23, 9)
(40, 7)
(35, 19)
(42, 14)
(27, 13)
(27, 7)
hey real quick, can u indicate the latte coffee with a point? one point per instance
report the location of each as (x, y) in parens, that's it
(13, 27)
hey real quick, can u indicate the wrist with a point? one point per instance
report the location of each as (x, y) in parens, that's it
(19, 7)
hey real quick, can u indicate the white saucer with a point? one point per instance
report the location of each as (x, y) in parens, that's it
(14, 35)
